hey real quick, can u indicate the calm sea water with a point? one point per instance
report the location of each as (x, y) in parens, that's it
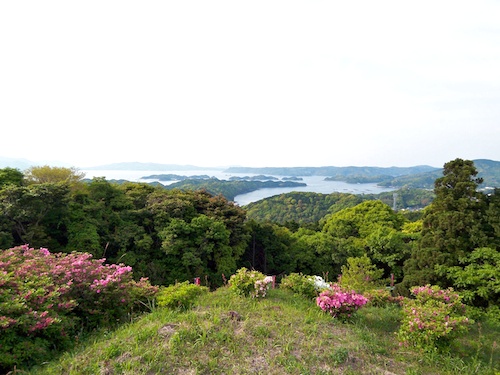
(316, 184)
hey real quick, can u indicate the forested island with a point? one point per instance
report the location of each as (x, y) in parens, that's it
(421, 177)
(194, 231)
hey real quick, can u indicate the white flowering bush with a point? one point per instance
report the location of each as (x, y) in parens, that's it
(319, 283)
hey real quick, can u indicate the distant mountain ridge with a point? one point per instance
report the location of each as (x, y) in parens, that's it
(420, 176)
(488, 170)
(331, 171)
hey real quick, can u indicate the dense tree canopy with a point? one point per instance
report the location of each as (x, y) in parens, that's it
(173, 235)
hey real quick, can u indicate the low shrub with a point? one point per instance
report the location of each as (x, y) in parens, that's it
(298, 284)
(340, 303)
(250, 283)
(180, 295)
(432, 319)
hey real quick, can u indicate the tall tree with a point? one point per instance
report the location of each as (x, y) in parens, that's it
(453, 225)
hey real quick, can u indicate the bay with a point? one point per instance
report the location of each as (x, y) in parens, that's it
(315, 184)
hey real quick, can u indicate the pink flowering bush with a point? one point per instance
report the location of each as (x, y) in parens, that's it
(46, 298)
(340, 303)
(432, 319)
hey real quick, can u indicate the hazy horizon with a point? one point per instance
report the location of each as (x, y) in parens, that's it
(58, 163)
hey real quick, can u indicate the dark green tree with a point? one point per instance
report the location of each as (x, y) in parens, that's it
(10, 176)
(198, 248)
(271, 249)
(453, 225)
(35, 214)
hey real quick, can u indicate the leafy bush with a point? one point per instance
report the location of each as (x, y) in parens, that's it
(381, 298)
(249, 283)
(477, 277)
(433, 318)
(180, 295)
(45, 299)
(307, 286)
(340, 303)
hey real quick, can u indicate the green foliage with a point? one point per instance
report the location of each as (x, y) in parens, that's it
(371, 228)
(199, 247)
(35, 214)
(453, 225)
(271, 249)
(433, 319)
(477, 277)
(300, 207)
(360, 275)
(299, 284)
(180, 295)
(11, 176)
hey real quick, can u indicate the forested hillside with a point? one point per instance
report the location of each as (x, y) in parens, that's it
(307, 207)
(173, 234)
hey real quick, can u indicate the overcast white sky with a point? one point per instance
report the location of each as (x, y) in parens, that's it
(252, 83)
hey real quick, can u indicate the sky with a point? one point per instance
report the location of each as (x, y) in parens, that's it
(250, 83)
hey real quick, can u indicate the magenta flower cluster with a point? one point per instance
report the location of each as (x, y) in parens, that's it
(340, 303)
(50, 296)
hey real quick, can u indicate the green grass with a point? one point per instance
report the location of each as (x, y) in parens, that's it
(281, 334)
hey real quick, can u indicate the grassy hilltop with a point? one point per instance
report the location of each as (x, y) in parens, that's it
(281, 334)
